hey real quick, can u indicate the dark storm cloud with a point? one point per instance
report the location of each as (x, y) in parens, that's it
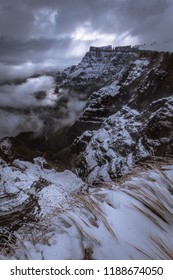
(17, 50)
(27, 18)
(58, 20)
(52, 30)
(147, 20)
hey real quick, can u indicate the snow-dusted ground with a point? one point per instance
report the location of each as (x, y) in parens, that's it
(23, 179)
(128, 220)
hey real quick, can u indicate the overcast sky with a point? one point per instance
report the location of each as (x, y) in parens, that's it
(37, 34)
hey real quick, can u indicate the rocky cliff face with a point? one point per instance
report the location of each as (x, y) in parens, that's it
(129, 115)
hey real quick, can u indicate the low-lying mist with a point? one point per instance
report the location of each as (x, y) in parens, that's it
(23, 95)
(33, 106)
(10, 72)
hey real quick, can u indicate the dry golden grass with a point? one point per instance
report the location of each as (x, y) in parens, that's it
(155, 196)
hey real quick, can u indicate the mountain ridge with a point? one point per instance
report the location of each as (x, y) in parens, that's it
(142, 84)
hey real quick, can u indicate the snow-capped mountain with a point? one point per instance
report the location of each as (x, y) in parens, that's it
(129, 118)
(76, 179)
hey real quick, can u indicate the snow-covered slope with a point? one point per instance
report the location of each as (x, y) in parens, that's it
(31, 186)
(131, 220)
(128, 120)
(125, 138)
